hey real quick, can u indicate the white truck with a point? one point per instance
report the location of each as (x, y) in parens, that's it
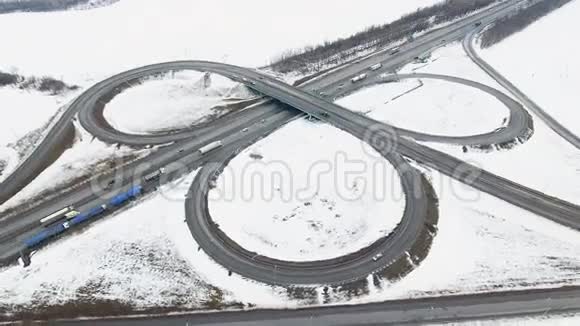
(359, 78)
(210, 147)
(394, 51)
(154, 175)
(58, 214)
(376, 67)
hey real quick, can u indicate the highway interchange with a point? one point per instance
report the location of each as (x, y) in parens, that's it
(180, 155)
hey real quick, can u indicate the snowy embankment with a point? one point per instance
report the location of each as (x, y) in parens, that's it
(86, 158)
(145, 258)
(430, 106)
(173, 101)
(551, 83)
(26, 110)
(544, 320)
(8, 161)
(307, 192)
(545, 162)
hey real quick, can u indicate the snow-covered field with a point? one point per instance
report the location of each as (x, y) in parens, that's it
(430, 106)
(545, 162)
(543, 64)
(144, 257)
(173, 101)
(307, 192)
(140, 32)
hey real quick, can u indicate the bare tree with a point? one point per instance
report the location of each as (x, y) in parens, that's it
(313, 58)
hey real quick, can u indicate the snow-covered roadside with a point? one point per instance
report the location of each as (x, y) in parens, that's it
(484, 244)
(173, 101)
(9, 158)
(144, 257)
(430, 106)
(25, 111)
(552, 83)
(545, 320)
(78, 161)
(545, 162)
(307, 192)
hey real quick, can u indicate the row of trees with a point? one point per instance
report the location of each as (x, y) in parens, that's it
(46, 5)
(313, 58)
(510, 25)
(43, 84)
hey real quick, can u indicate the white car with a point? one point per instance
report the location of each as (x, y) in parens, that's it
(377, 257)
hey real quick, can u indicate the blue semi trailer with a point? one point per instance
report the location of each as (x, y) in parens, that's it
(57, 229)
(120, 199)
(44, 234)
(85, 216)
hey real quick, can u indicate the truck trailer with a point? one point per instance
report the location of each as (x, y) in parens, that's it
(210, 147)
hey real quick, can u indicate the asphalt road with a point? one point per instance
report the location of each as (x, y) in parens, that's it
(337, 271)
(519, 124)
(556, 126)
(398, 312)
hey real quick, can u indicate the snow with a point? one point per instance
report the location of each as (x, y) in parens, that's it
(75, 162)
(430, 106)
(139, 32)
(546, 162)
(26, 111)
(173, 101)
(144, 256)
(307, 192)
(484, 244)
(551, 320)
(10, 160)
(552, 84)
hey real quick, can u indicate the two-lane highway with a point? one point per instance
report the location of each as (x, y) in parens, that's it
(532, 303)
